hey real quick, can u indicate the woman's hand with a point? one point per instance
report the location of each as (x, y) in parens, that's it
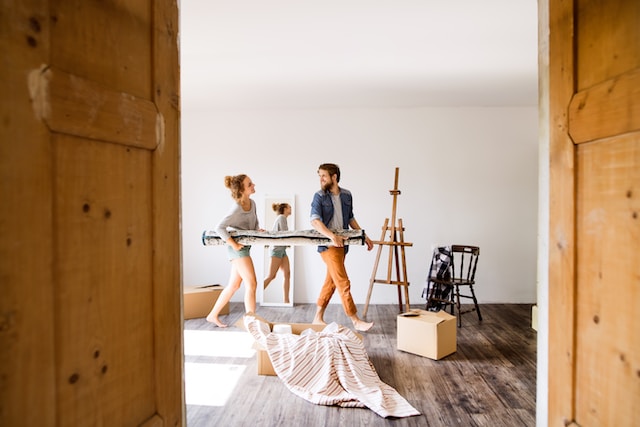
(235, 245)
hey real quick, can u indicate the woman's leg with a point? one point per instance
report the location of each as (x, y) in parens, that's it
(234, 284)
(286, 271)
(247, 272)
(274, 265)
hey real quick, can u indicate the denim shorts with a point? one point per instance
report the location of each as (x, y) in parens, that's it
(233, 254)
(278, 251)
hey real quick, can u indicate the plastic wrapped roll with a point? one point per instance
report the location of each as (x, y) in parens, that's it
(283, 238)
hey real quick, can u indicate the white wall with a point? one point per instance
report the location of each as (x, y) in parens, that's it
(467, 175)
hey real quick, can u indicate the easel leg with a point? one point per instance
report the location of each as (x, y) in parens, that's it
(398, 279)
(375, 269)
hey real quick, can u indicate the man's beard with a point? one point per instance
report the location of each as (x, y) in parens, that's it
(327, 186)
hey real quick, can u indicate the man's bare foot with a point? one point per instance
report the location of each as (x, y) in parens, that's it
(216, 321)
(361, 325)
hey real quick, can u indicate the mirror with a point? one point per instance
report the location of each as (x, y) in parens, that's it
(275, 294)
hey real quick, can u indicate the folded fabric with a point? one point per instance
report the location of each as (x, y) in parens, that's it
(330, 367)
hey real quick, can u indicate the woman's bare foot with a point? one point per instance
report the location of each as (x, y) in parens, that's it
(361, 325)
(319, 321)
(214, 319)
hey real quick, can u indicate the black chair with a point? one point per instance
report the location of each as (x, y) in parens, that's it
(449, 276)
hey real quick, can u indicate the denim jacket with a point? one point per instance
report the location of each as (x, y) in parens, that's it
(322, 209)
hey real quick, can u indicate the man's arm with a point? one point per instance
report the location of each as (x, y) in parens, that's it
(337, 240)
(354, 224)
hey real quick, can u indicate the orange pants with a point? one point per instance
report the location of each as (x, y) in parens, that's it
(336, 279)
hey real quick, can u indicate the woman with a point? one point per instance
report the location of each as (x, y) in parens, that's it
(241, 216)
(279, 258)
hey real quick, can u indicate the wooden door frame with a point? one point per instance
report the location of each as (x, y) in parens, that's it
(28, 352)
(562, 205)
(167, 259)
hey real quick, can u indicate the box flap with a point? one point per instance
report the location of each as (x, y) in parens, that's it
(296, 328)
(240, 322)
(433, 317)
(190, 289)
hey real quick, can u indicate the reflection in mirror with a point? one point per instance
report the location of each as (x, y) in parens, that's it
(279, 212)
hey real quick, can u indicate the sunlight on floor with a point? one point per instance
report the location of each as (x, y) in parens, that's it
(218, 344)
(211, 384)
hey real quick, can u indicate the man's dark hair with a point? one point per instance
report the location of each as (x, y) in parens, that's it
(332, 168)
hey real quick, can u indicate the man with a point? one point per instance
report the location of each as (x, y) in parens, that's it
(332, 209)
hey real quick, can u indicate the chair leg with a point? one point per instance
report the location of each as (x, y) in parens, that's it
(457, 289)
(475, 302)
(452, 306)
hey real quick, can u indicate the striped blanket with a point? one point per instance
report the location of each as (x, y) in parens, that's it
(330, 367)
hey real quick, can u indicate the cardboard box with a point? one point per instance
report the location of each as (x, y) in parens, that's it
(265, 367)
(427, 333)
(264, 362)
(199, 300)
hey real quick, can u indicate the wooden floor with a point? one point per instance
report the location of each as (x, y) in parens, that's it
(489, 381)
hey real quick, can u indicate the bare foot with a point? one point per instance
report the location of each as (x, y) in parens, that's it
(319, 321)
(214, 319)
(361, 325)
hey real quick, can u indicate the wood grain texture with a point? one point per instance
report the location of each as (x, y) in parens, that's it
(76, 106)
(90, 320)
(489, 381)
(608, 219)
(27, 347)
(557, 46)
(165, 170)
(606, 109)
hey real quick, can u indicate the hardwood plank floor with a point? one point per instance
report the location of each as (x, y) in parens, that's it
(489, 381)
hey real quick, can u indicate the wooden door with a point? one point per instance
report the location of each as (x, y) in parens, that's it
(90, 320)
(594, 242)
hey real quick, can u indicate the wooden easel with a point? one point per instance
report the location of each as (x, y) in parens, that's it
(396, 242)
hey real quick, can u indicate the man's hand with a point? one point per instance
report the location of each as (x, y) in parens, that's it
(368, 242)
(338, 241)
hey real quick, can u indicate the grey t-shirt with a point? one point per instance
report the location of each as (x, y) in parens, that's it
(280, 224)
(238, 219)
(336, 220)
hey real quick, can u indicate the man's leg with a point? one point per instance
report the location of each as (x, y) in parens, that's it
(334, 258)
(328, 288)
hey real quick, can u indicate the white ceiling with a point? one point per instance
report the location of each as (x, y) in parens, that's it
(357, 53)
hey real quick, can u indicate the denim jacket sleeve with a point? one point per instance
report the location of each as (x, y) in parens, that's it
(321, 207)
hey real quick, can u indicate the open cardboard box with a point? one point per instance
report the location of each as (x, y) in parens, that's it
(264, 362)
(427, 333)
(199, 300)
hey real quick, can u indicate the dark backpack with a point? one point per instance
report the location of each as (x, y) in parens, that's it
(441, 269)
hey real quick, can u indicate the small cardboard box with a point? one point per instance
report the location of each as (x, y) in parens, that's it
(427, 333)
(265, 367)
(199, 300)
